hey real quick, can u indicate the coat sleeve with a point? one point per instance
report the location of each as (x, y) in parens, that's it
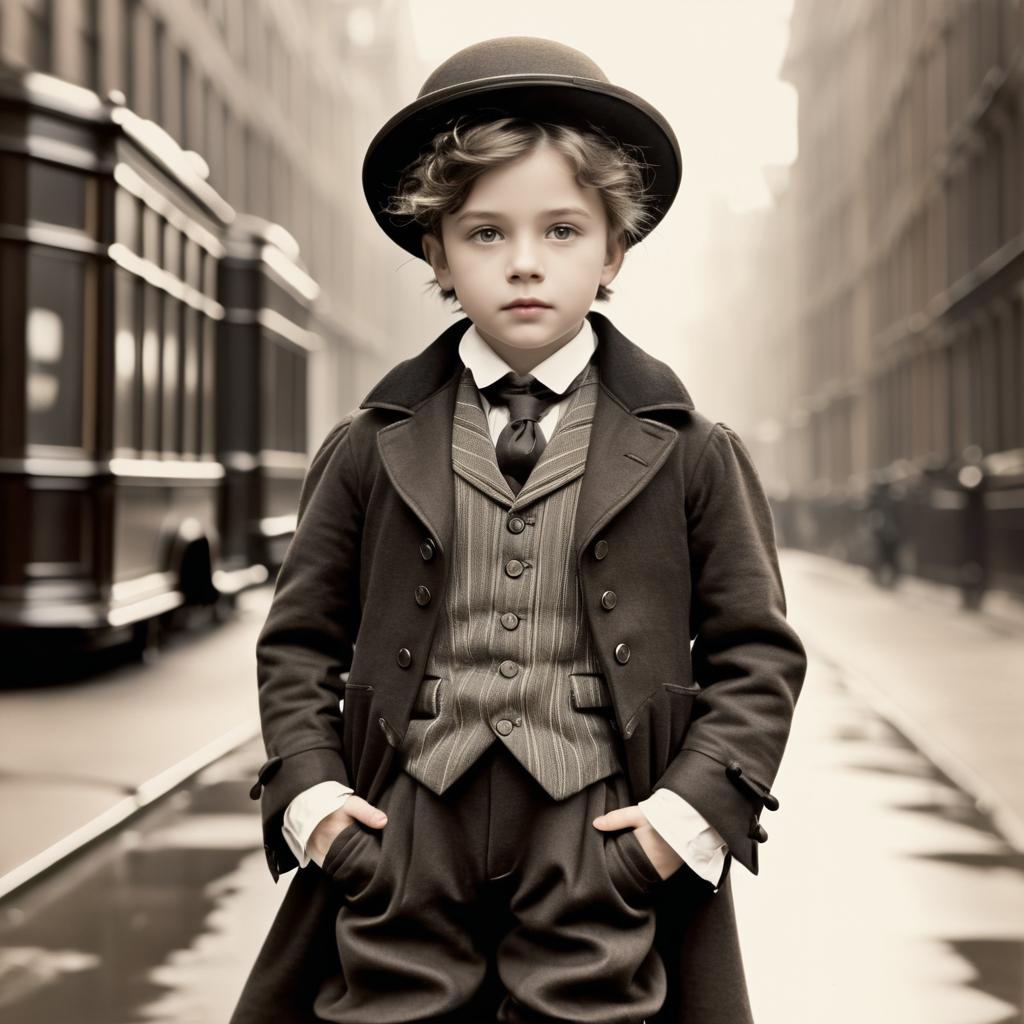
(746, 656)
(307, 641)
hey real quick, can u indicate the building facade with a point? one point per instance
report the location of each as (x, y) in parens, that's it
(906, 211)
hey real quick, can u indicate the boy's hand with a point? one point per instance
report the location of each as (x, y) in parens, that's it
(355, 808)
(665, 860)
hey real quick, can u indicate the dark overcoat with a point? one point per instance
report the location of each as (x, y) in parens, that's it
(671, 516)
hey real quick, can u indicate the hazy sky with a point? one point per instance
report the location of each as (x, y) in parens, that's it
(710, 66)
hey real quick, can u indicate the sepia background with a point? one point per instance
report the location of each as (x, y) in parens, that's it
(193, 290)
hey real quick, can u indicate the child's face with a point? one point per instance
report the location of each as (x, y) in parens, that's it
(514, 239)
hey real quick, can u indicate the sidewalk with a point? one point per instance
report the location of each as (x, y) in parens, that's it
(951, 681)
(78, 758)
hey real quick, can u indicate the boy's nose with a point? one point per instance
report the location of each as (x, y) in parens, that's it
(525, 261)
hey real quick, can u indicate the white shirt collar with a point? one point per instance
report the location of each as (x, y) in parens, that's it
(556, 372)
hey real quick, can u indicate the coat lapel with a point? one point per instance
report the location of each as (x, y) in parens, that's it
(473, 455)
(417, 455)
(625, 449)
(625, 453)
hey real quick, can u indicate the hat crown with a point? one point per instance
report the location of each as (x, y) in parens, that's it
(511, 55)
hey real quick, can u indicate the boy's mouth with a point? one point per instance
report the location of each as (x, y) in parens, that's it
(526, 305)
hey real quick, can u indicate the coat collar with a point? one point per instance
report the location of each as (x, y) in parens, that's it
(626, 450)
(638, 381)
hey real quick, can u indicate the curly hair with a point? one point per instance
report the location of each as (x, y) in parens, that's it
(440, 179)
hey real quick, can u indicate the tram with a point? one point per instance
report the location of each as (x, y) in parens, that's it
(153, 358)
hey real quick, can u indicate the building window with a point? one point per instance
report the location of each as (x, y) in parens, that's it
(157, 104)
(129, 16)
(184, 99)
(39, 30)
(88, 34)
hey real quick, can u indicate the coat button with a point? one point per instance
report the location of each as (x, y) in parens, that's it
(759, 834)
(427, 549)
(516, 524)
(422, 595)
(404, 657)
(504, 726)
(510, 620)
(508, 669)
(608, 599)
(513, 567)
(622, 653)
(601, 549)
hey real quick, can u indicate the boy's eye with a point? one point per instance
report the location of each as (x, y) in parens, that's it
(491, 232)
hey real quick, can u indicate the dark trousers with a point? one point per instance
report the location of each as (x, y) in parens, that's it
(493, 902)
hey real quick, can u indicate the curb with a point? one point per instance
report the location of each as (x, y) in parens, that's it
(127, 807)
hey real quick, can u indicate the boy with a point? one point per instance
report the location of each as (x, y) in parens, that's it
(528, 808)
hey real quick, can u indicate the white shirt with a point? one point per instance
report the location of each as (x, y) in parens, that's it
(672, 817)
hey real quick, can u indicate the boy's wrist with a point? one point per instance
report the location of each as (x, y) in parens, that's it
(326, 831)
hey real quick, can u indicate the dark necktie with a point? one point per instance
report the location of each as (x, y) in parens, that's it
(521, 442)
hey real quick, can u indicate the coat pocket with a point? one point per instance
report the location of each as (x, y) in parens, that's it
(589, 692)
(428, 698)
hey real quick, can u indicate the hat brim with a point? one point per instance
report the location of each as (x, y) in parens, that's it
(556, 98)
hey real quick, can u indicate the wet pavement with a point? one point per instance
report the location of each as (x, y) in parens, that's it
(884, 895)
(156, 924)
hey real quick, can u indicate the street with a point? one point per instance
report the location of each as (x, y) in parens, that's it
(885, 892)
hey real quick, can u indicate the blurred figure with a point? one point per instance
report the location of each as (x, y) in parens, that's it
(970, 477)
(884, 530)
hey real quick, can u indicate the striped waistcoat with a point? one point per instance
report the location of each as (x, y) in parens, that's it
(512, 659)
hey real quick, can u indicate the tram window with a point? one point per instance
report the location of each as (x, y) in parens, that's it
(53, 343)
(124, 361)
(299, 414)
(57, 195)
(192, 252)
(150, 367)
(172, 250)
(127, 222)
(171, 377)
(209, 275)
(285, 398)
(190, 380)
(207, 386)
(151, 235)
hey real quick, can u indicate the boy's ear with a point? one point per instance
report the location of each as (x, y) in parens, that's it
(615, 253)
(433, 252)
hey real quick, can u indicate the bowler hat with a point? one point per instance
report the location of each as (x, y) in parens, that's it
(519, 76)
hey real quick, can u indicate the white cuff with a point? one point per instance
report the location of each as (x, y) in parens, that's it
(307, 810)
(688, 832)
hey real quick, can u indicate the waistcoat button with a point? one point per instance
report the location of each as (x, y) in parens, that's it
(508, 669)
(514, 567)
(422, 595)
(516, 524)
(510, 620)
(622, 653)
(601, 549)
(504, 726)
(608, 599)
(404, 657)
(427, 549)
